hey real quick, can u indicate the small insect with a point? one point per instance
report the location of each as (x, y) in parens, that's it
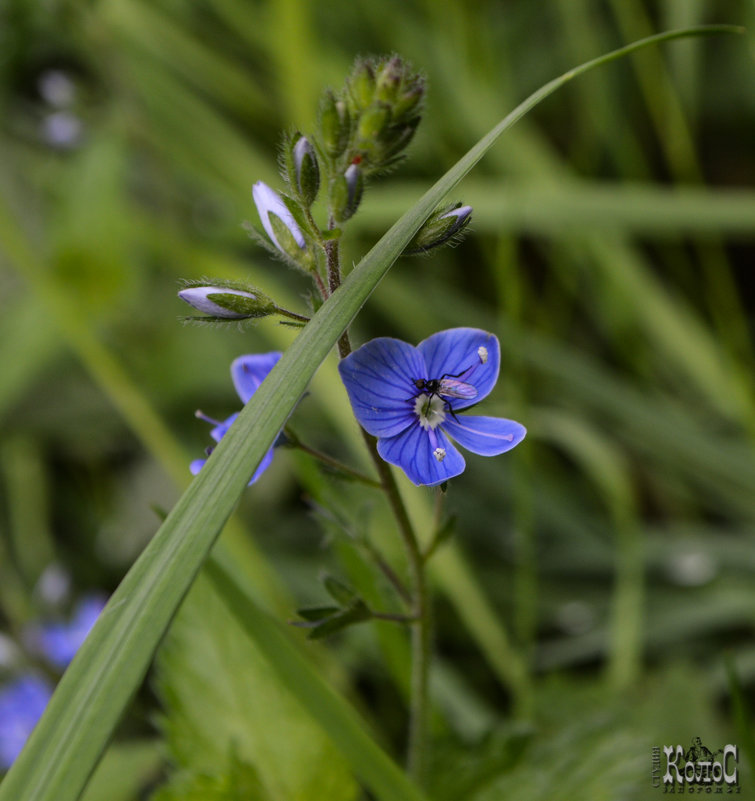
(447, 386)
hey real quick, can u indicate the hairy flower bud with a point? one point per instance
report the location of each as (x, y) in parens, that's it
(409, 101)
(335, 124)
(306, 172)
(389, 78)
(374, 121)
(278, 221)
(347, 193)
(227, 302)
(361, 85)
(444, 225)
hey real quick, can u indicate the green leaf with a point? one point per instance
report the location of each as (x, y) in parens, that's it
(338, 591)
(72, 734)
(338, 719)
(225, 705)
(356, 612)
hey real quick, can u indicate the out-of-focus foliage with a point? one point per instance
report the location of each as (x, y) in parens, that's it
(608, 560)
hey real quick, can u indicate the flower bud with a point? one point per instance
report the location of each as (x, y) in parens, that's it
(444, 225)
(361, 85)
(409, 101)
(275, 216)
(227, 302)
(335, 124)
(388, 81)
(306, 171)
(347, 193)
(374, 121)
(397, 138)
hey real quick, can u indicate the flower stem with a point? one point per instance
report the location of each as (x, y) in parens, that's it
(420, 602)
(330, 461)
(293, 315)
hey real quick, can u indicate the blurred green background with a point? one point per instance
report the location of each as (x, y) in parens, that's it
(602, 573)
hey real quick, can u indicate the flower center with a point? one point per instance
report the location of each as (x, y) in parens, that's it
(431, 410)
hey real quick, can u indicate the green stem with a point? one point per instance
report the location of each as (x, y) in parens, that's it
(392, 617)
(420, 636)
(330, 461)
(293, 315)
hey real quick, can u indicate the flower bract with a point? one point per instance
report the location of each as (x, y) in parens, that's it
(247, 373)
(411, 398)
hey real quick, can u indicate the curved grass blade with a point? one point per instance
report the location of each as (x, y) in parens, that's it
(81, 717)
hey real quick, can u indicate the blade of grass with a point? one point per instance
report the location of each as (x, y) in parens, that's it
(72, 734)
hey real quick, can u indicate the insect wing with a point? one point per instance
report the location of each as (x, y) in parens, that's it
(451, 388)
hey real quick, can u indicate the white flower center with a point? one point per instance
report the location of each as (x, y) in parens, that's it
(431, 410)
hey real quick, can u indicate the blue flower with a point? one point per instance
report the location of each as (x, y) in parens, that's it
(409, 398)
(59, 642)
(22, 703)
(247, 372)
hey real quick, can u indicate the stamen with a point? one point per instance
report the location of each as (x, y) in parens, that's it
(482, 352)
(439, 454)
(202, 416)
(430, 409)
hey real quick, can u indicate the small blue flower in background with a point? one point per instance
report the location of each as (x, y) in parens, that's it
(22, 703)
(59, 642)
(24, 699)
(247, 372)
(409, 398)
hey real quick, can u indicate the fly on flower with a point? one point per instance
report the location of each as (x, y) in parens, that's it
(410, 399)
(446, 387)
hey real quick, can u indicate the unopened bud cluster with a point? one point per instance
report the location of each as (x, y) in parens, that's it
(372, 121)
(362, 130)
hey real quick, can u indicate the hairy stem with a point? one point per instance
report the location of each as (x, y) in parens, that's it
(292, 315)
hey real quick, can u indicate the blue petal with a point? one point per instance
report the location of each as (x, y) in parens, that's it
(487, 436)
(59, 642)
(218, 432)
(455, 353)
(198, 464)
(21, 705)
(379, 379)
(413, 451)
(263, 465)
(248, 372)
